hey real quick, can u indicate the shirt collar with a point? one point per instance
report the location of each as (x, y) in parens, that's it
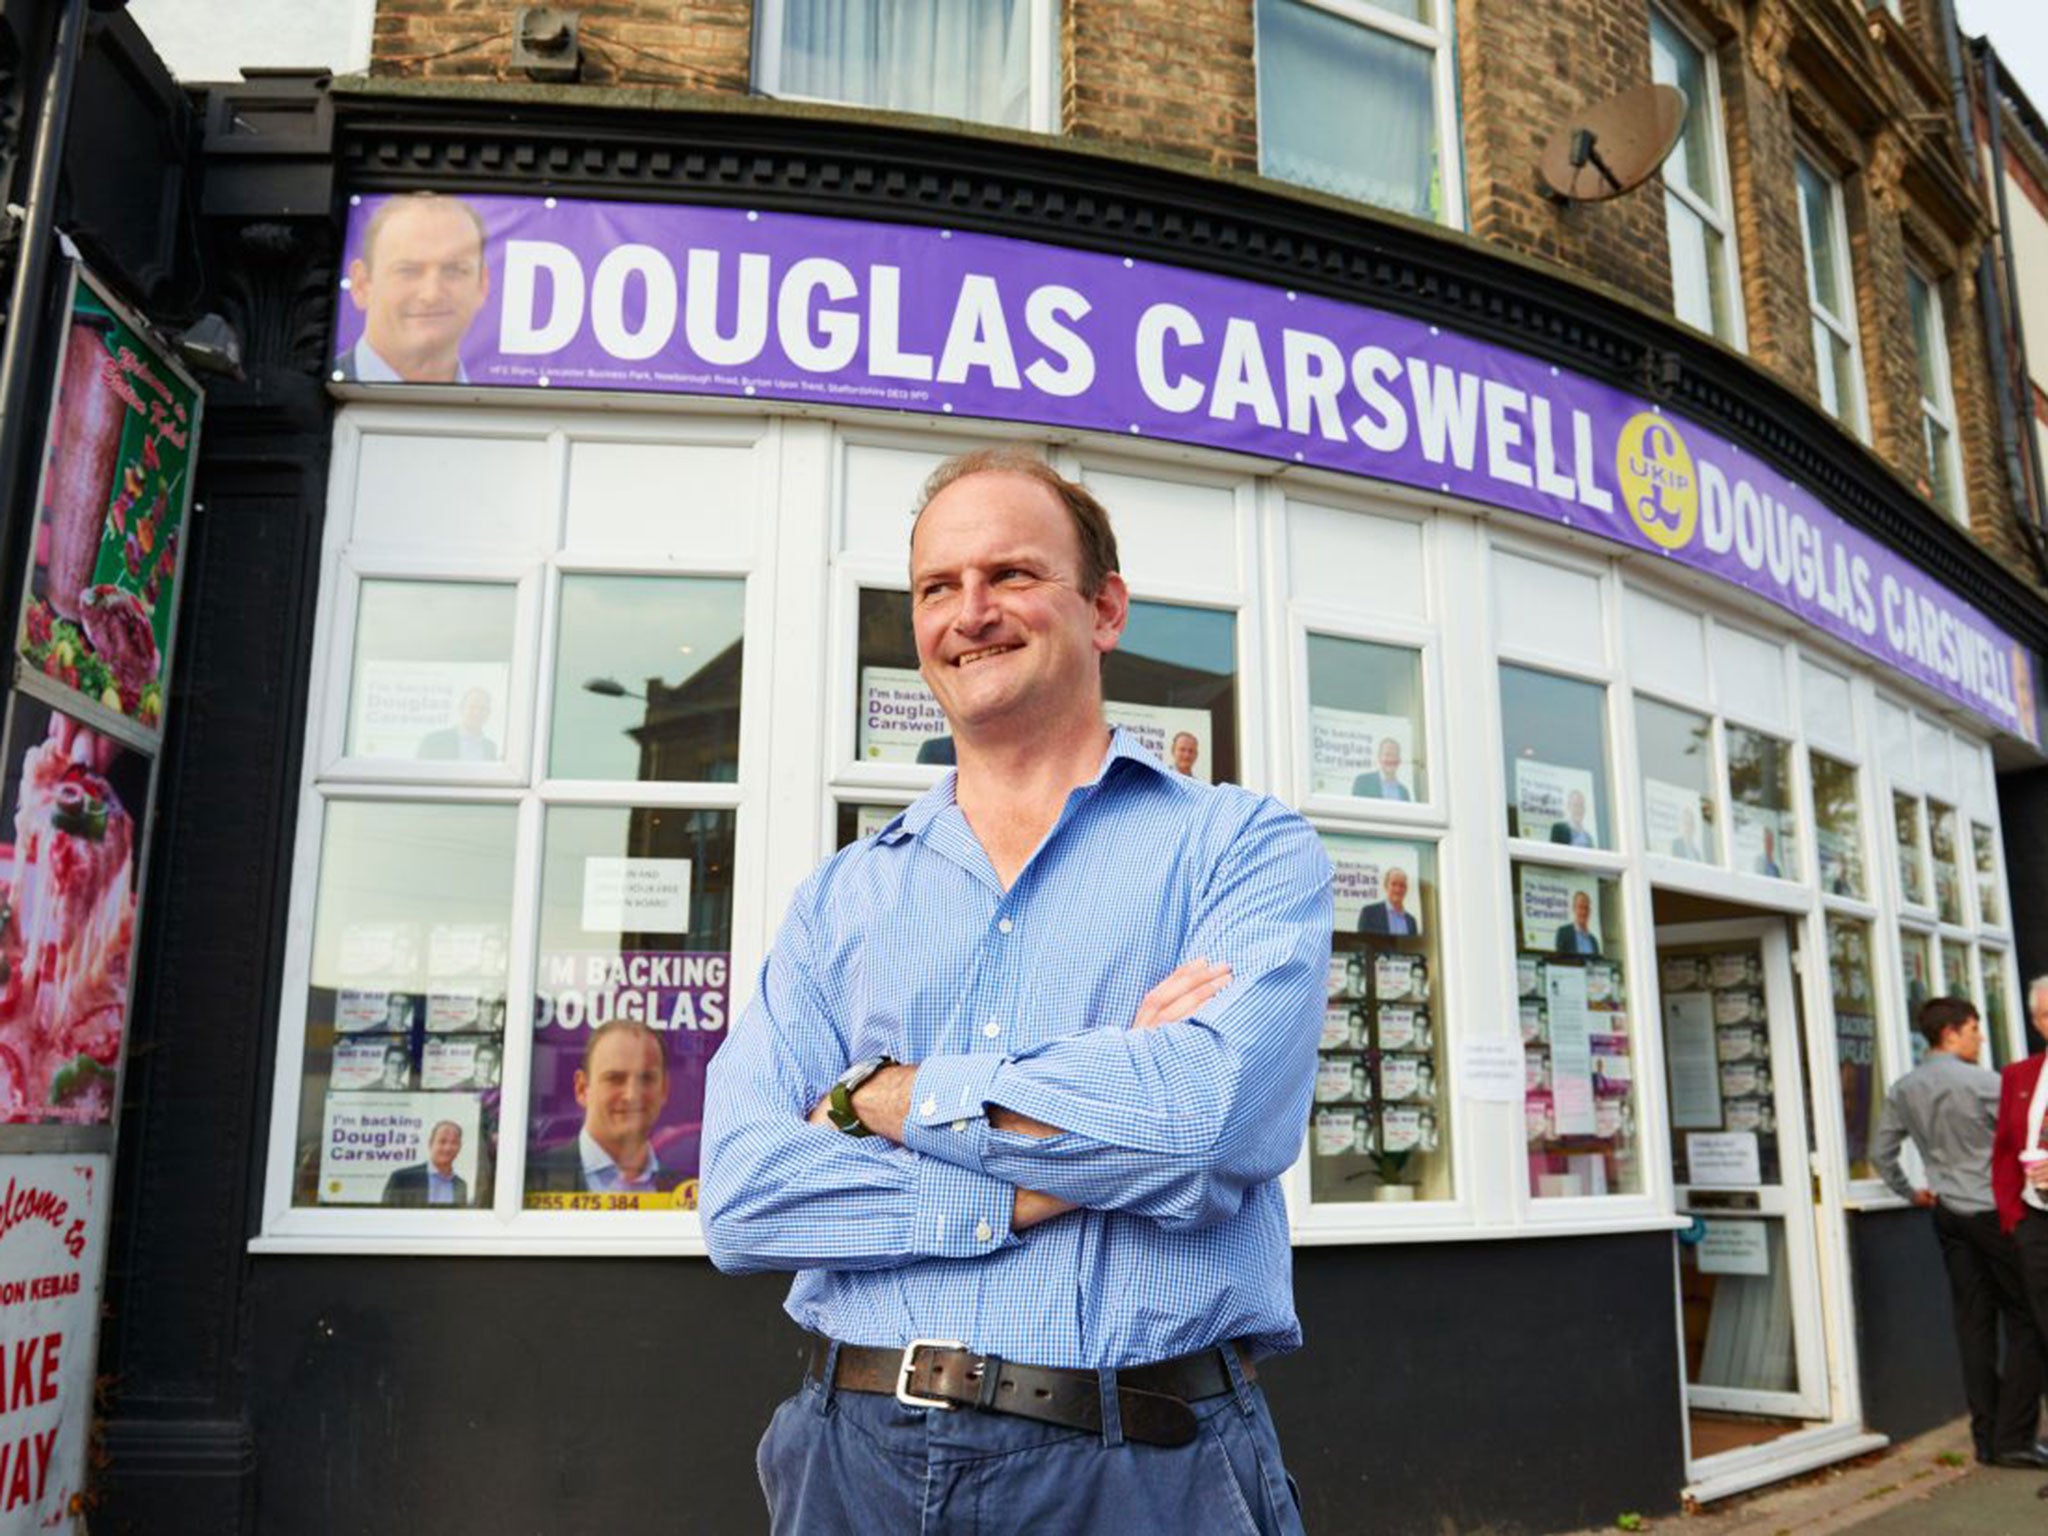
(918, 816)
(372, 369)
(597, 1160)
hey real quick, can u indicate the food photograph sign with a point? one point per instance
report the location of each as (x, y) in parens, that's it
(110, 514)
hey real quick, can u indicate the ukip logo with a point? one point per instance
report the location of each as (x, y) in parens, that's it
(1654, 469)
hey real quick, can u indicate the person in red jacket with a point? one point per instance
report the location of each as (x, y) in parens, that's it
(2019, 1179)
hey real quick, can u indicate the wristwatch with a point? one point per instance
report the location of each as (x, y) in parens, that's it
(839, 1103)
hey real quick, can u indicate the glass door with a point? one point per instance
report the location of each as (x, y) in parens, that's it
(1749, 1285)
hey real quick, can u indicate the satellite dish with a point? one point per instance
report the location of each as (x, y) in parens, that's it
(1614, 146)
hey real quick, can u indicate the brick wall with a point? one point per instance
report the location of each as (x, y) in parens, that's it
(1175, 76)
(705, 45)
(1525, 72)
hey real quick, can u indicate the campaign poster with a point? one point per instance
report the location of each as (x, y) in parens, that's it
(1554, 803)
(461, 1063)
(1550, 903)
(53, 1225)
(1179, 738)
(1760, 844)
(70, 854)
(429, 709)
(365, 1064)
(643, 1096)
(1361, 868)
(1672, 820)
(111, 500)
(368, 1138)
(900, 721)
(1345, 747)
(1841, 862)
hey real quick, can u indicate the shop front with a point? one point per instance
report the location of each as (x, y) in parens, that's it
(1658, 793)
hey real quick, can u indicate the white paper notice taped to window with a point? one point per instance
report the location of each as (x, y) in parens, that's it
(1723, 1158)
(1491, 1071)
(1735, 1248)
(636, 895)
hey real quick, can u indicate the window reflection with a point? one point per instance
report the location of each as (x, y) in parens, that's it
(1676, 748)
(632, 980)
(1906, 844)
(1838, 835)
(1171, 683)
(1555, 733)
(1380, 1129)
(1997, 1012)
(1948, 874)
(405, 1010)
(1577, 1045)
(1917, 985)
(1764, 830)
(647, 679)
(1365, 720)
(432, 670)
(1856, 1038)
(1990, 904)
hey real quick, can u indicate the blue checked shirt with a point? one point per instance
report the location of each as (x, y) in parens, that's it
(1173, 1139)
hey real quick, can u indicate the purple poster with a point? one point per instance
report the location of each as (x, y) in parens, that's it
(631, 297)
(621, 1043)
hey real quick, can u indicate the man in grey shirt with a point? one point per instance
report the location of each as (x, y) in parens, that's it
(1948, 1105)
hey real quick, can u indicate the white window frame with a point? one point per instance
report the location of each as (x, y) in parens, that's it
(1044, 20)
(1842, 327)
(1722, 222)
(1941, 409)
(1439, 36)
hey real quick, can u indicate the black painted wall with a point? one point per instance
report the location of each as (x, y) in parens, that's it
(1904, 1339)
(1515, 1387)
(2023, 817)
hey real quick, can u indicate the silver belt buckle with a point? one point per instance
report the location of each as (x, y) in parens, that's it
(904, 1395)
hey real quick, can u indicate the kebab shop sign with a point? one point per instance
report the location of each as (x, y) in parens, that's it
(52, 1230)
(831, 313)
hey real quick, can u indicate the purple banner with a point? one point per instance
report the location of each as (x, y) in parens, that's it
(639, 1093)
(676, 300)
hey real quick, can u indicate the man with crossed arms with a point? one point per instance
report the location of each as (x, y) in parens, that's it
(1058, 1128)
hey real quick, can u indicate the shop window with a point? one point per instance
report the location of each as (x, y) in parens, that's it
(1830, 295)
(1555, 734)
(1990, 901)
(1763, 833)
(1906, 844)
(405, 1007)
(1676, 748)
(1365, 720)
(1171, 683)
(858, 819)
(1838, 829)
(1942, 481)
(1957, 979)
(1701, 236)
(1580, 1104)
(1857, 1043)
(1997, 1008)
(1916, 983)
(1948, 872)
(647, 680)
(432, 671)
(1380, 1128)
(1351, 99)
(986, 61)
(632, 977)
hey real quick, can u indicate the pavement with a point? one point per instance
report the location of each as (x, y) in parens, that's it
(1930, 1486)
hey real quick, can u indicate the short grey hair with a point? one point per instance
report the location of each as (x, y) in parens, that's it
(2034, 990)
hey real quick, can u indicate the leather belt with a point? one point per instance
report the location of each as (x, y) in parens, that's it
(1152, 1400)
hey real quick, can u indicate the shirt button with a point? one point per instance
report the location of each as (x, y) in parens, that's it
(929, 1107)
(983, 1232)
(1004, 926)
(960, 1125)
(991, 1029)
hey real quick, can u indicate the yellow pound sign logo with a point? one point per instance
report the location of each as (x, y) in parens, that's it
(1654, 468)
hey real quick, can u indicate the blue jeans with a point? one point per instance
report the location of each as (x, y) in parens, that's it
(837, 1463)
